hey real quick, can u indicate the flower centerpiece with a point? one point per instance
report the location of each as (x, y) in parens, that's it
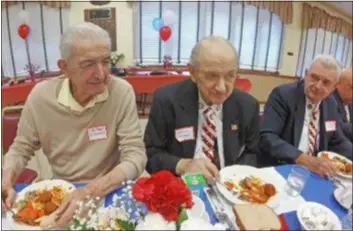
(114, 60)
(32, 69)
(158, 202)
(167, 61)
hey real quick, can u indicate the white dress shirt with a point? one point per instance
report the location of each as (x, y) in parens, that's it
(346, 107)
(219, 131)
(304, 139)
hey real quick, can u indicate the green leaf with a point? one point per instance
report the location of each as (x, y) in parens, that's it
(126, 225)
(182, 217)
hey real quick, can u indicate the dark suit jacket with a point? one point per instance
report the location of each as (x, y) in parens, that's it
(282, 126)
(176, 105)
(346, 126)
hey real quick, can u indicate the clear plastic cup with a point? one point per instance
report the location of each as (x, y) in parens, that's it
(296, 180)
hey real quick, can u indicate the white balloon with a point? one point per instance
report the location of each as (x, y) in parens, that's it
(169, 17)
(24, 16)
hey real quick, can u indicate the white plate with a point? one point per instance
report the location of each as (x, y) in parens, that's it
(239, 172)
(343, 196)
(333, 154)
(45, 184)
(332, 217)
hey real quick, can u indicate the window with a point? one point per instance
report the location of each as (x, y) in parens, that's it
(256, 33)
(42, 45)
(319, 41)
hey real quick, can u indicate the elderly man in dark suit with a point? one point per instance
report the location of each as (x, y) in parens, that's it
(300, 119)
(343, 96)
(203, 124)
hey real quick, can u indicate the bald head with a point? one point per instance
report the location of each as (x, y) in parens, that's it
(344, 86)
(346, 75)
(213, 50)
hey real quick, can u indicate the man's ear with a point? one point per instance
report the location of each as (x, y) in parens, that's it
(62, 64)
(191, 71)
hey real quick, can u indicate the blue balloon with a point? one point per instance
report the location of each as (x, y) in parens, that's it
(157, 23)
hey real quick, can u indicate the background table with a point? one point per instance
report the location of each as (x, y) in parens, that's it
(317, 189)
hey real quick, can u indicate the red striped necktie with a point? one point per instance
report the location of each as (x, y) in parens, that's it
(208, 133)
(313, 130)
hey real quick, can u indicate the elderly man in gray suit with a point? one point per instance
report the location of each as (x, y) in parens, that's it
(301, 119)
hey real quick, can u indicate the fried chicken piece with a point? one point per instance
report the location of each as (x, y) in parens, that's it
(50, 207)
(44, 197)
(269, 190)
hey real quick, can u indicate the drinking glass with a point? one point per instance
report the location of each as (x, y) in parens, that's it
(296, 180)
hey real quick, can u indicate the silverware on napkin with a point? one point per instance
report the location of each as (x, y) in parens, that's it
(219, 212)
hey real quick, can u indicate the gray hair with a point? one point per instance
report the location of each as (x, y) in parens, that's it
(82, 32)
(212, 39)
(328, 62)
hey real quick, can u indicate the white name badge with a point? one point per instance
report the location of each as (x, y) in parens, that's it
(184, 134)
(330, 126)
(97, 133)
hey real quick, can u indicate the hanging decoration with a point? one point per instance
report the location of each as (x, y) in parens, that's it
(24, 16)
(157, 23)
(165, 32)
(169, 17)
(23, 31)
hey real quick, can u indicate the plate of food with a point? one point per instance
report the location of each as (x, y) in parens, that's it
(343, 164)
(34, 204)
(245, 185)
(315, 216)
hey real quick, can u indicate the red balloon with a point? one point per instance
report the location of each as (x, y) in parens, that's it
(165, 32)
(23, 31)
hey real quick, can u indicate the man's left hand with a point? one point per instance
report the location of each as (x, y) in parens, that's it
(67, 209)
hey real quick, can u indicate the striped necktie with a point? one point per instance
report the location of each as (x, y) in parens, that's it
(208, 134)
(313, 130)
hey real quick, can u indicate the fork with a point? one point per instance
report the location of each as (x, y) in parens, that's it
(220, 212)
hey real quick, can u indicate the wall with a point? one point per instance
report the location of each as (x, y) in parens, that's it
(262, 85)
(124, 22)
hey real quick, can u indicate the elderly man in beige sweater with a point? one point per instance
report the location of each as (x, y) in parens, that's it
(86, 122)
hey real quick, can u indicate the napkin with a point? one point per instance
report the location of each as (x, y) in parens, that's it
(284, 225)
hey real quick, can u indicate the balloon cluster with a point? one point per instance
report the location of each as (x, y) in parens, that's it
(163, 24)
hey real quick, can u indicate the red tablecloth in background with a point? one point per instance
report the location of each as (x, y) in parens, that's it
(142, 84)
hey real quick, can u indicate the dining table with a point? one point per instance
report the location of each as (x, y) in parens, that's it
(316, 189)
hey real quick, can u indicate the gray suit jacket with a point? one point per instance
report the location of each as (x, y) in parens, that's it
(176, 105)
(282, 126)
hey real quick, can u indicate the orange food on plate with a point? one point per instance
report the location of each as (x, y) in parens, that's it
(341, 164)
(39, 203)
(254, 190)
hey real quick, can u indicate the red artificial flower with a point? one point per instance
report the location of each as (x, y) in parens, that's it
(163, 193)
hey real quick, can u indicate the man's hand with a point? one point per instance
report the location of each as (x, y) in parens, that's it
(317, 165)
(8, 195)
(7, 191)
(67, 209)
(208, 169)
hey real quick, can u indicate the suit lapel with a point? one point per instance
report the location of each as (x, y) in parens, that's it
(189, 117)
(299, 115)
(230, 133)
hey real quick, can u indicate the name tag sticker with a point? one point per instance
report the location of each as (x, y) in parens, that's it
(184, 134)
(97, 133)
(330, 126)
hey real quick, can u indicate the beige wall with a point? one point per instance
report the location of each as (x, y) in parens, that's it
(262, 85)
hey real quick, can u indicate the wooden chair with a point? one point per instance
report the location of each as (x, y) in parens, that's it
(10, 118)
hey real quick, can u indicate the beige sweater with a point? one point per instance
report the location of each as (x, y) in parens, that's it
(63, 134)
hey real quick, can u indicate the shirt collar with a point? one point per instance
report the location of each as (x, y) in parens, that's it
(308, 102)
(66, 98)
(203, 105)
